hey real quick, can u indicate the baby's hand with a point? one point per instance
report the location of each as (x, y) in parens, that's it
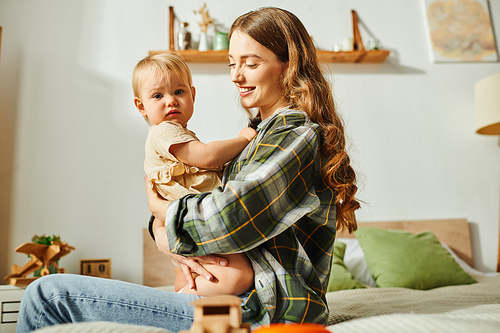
(248, 133)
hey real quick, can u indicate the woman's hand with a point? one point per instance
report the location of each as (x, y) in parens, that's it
(188, 265)
(157, 205)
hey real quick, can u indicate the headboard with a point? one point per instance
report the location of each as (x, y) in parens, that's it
(158, 270)
(454, 233)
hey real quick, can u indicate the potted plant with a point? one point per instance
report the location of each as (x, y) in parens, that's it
(45, 240)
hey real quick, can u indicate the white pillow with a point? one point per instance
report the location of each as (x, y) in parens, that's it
(354, 260)
(464, 265)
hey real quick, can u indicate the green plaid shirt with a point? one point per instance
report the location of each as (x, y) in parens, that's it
(273, 206)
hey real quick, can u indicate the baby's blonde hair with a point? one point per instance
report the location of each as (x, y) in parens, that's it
(159, 66)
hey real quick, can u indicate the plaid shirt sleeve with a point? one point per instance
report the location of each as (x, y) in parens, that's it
(274, 206)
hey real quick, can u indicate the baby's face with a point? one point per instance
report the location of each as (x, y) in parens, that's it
(167, 99)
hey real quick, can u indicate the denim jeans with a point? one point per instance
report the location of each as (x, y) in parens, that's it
(65, 298)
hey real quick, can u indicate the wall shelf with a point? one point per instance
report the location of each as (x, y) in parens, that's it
(212, 56)
(200, 56)
(359, 55)
(371, 56)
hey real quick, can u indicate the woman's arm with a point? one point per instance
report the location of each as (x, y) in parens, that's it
(187, 265)
(213, 154)
(265, 195)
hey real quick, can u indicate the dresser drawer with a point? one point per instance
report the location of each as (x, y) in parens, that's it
(9, 317)
(10, 302)
(11, 306)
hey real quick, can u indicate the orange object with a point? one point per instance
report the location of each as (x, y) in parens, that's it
(292, 328)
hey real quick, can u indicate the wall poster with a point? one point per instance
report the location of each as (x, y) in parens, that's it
(460, 31)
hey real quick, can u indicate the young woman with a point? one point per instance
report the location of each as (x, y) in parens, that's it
(280, 203)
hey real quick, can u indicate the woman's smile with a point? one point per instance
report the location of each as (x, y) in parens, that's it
(245, 91)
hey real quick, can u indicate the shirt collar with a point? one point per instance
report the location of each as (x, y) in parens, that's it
(280, 112)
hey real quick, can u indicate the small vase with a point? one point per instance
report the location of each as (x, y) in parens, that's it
(203, 46)
(220, 41)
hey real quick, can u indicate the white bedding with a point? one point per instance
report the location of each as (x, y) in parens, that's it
(481, 319)
(469, 308)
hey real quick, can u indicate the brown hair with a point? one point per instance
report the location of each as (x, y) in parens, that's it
(306, 88)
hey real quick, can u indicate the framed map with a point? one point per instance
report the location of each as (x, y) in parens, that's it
(460, 31)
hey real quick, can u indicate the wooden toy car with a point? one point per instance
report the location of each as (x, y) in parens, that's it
(218, 314)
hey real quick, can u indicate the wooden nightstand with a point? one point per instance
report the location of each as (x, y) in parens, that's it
(10, 300)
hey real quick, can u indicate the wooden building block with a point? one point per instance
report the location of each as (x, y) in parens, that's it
(96, 267)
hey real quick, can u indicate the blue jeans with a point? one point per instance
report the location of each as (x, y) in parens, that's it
(65, 298)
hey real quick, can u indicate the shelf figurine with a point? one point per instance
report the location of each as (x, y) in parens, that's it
(184, 37)
(205, 23)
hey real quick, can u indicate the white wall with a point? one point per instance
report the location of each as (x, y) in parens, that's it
(72, 143)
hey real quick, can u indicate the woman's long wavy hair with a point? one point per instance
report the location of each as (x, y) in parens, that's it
(305, 88)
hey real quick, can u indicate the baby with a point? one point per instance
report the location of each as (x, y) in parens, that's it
(177, 163)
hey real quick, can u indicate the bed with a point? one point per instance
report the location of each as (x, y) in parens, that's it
(452, 305)
(407, 276)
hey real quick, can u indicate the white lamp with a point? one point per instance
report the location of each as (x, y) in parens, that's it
(488, 105)
(487, 96)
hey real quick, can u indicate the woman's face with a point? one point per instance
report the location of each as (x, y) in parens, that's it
(256, 72)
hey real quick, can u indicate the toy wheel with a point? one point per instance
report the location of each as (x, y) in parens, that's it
(62, 270)
(44, 271)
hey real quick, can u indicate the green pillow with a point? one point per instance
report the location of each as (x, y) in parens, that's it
(340, 277)
(399, 258)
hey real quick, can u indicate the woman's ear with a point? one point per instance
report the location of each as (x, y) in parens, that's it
(140, 106)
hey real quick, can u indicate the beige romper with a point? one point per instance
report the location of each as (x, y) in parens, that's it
(171, 178)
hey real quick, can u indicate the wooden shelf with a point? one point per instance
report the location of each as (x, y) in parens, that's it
(372, 56)
(359, 55)
(201, 56)
(211, 56)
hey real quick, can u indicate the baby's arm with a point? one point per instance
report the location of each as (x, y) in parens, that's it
(213, 154)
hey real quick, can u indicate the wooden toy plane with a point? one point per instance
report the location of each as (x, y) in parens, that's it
(42, 256)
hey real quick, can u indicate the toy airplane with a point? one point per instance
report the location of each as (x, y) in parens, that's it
(42, 256)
